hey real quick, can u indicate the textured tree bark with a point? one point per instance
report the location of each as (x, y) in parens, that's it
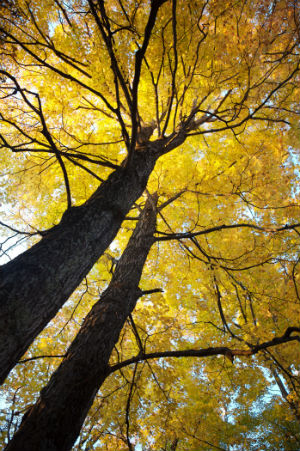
(35, 285)
(54, 422)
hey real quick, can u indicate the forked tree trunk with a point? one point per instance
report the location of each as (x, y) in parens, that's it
(54, 422)
(35, 285)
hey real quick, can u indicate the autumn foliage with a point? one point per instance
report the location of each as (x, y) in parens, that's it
(111, 112)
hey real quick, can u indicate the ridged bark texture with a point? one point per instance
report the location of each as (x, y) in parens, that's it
(35, 285)
(54, 423)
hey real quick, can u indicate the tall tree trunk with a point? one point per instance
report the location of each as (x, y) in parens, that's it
(54, 422)
(35, 285)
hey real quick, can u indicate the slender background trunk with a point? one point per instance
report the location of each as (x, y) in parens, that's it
(54, 423)
(35, 285)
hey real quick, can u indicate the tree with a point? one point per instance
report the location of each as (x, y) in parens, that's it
(56, 420)
(83, 233)
(240, 186)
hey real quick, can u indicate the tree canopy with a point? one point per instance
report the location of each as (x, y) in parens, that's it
(150, 208)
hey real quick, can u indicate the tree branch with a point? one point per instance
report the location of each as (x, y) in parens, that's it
(180, 236)
(139, 56)
(208, 352)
